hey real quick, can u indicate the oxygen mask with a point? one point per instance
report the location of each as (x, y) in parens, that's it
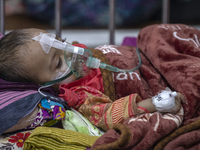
(79, 60)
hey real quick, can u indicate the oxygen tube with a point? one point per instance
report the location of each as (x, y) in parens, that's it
(95, 63)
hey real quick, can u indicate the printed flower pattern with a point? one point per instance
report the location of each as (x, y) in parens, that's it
(60, 115)
(19, 138)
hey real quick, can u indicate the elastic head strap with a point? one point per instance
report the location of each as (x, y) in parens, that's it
(57, 80)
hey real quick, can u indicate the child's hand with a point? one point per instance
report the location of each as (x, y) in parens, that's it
(178, 100)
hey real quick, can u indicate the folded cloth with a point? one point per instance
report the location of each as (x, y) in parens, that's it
(77, 122)
(56, 138)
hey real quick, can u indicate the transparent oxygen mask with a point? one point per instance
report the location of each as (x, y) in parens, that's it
(77, 59)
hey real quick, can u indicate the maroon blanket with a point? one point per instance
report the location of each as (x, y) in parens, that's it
(170, 58)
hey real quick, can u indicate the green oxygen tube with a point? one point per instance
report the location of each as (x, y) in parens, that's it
(95, 63)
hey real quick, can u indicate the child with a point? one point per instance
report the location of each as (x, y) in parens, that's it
(23, 59)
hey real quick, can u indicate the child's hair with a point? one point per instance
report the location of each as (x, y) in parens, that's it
(12, 53)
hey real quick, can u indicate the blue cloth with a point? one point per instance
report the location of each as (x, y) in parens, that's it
(47, 104)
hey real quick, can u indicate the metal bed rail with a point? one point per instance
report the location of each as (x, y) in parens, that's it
(58, 9)
(165, 11)
(2, 16)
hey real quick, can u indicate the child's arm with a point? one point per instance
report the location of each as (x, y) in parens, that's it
(151, 107)
(104, 114)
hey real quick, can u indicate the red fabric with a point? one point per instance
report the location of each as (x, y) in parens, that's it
(75, 92)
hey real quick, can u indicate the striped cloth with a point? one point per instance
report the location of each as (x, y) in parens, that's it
(15, 105)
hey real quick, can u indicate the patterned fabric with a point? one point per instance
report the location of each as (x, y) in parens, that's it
(107, 76)
(99, 108)
(55, 138)
(104, 113)
(49, 114)
(14, 141)
(90, 13)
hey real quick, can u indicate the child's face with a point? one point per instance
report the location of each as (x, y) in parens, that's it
(42, 66)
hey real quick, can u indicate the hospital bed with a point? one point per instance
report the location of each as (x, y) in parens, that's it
(58, 30)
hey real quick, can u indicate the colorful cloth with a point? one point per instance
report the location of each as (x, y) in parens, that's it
(49, 114)
(14, 105)
(14, 141)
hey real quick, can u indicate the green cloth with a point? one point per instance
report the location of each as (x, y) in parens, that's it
(77, 122)
(55, 138)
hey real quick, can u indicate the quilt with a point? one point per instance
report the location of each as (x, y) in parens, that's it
(170, 56)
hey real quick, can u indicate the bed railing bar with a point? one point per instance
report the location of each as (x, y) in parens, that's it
(165, 11)
(58, 17)
(112, 21)
(2, 16)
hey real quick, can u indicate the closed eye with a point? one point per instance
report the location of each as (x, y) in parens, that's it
(59, 63)
(64, 40)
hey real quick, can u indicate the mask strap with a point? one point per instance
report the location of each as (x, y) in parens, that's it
(57, 80)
